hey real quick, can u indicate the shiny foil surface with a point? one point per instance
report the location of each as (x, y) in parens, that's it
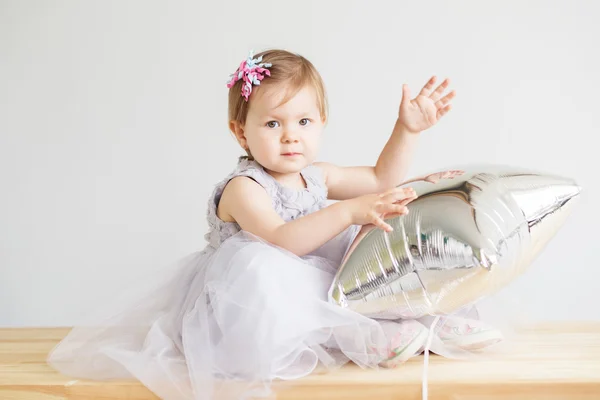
(464, 238)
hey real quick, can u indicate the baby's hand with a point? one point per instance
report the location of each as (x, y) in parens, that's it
(427, 108)
(374, 208)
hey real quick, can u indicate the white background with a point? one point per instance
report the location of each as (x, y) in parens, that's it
(113, 126)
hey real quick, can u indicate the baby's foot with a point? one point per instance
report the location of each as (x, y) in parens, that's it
(467, 334)
(406, 339)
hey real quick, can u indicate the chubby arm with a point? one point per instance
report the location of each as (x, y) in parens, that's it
(359, 179)
(414, 116)
(389, 171)
(247, 203)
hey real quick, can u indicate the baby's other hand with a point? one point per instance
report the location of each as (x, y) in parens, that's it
(425, 110)
(374, 208)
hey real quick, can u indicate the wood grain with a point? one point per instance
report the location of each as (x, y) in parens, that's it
(548, 361)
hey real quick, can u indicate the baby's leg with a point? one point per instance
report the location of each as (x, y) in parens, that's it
(464, 330)
(406, 339)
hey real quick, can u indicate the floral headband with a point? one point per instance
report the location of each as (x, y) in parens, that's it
(252, 71)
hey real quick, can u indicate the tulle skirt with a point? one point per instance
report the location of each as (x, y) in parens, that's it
(223, 323)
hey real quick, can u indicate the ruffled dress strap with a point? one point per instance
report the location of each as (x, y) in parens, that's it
(289, 203)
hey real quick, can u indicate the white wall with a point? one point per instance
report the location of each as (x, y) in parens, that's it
(113, 126)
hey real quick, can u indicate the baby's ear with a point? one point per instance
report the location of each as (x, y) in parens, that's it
(238, 130)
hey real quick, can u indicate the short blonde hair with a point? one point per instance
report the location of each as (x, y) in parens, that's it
(288, 68)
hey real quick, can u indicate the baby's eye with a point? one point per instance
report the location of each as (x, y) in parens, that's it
(304, 121)
(272, 124)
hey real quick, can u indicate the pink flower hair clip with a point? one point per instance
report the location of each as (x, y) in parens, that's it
(252, 71)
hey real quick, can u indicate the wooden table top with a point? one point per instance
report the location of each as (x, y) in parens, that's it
(547, 361)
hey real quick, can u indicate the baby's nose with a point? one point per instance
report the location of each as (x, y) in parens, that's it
(289, 136)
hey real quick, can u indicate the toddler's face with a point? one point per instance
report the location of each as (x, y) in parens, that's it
(283, 138)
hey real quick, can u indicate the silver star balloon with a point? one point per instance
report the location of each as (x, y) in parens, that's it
(463, 239)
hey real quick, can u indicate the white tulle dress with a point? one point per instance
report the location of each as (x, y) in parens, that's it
(226, 321)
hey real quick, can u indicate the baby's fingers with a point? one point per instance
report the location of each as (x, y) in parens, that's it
(378, 222)
(404, 202)
(398, 194)
(396, 209)
(392, 215)
(389, 211)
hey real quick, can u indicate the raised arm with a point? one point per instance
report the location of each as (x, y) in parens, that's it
(389, 171)
(392, 165)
